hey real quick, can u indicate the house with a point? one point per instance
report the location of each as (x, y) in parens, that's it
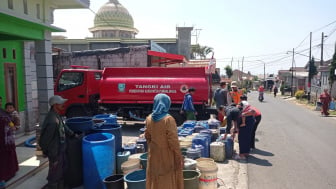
(25, 55)
(295, 77)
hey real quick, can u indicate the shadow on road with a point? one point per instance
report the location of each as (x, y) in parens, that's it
(262, 152)
(257, 161)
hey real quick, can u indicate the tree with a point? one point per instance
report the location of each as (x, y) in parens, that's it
(195, 51)
(228, 71)
(332, 76)
(204, 51)
(312, 69)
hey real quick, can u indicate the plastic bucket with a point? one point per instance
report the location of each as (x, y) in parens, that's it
(109, 118)
(191, 179)
(143, 160)
(208, 178)
(114, 182)
(80, 124)
(98, 159)
(114, 129)
(74, 172)
(121, 158)
(130, 166)
(205, 159)
(136, 179)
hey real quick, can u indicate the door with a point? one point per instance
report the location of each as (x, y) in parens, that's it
(11, 83)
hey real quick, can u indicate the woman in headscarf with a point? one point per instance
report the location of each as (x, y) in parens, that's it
(245, 131)
(8, 158)
(165, 162)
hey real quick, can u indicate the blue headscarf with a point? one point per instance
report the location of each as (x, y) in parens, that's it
(161, 106)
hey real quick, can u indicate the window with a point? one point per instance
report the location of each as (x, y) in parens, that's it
(14, 53)
(10, 4)
(25, 7)
(4, 53)
(70, 80)
(38, 14)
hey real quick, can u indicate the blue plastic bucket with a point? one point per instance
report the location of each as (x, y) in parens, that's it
(109, 118)
(80, 124)
(142, 141)
(121, 158)
(114, 129)
(143, 160)
(136, 179)
(98, 159)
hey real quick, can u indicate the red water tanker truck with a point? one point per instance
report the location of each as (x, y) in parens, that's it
(129, 92)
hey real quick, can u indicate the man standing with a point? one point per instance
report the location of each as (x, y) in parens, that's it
(52, 142)
(222, 98)
(235, 93)
(188, 106)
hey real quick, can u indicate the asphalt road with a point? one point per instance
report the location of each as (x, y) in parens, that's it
(295, 148)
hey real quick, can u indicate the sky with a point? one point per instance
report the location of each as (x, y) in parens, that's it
(256, 32)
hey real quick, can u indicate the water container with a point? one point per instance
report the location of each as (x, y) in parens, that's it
(121, 158)
(130, 166)
(217, 151)
(208, 178)
(142, 141)
(114, 182)
(135, 156)
(130, 147)
(198, 128)
(191, 179)
(222, 130)
(109, 118)
(142, 130)
(228, 145)
(214, 135)
(201, 148)
(136, 179)
(189, 164)
(98, 159)
(189, 124)
(332, 105)
(193, 153)
(74, 172)
(140, 148)
(114, 129)
(213, 125)
(204, 141)
(205, 159)
(80, 124)
(143, 160)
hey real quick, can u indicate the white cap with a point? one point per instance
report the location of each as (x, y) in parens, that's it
(56, 100)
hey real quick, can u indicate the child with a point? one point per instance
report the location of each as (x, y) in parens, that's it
(245, 109)
(10, 109)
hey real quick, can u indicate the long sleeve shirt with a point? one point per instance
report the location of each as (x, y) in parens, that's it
(188, 103)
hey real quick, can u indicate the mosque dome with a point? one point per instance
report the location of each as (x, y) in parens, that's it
(113, 21)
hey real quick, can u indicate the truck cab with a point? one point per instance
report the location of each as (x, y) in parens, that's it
(81, 88)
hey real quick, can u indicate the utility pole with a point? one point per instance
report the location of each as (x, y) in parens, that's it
(309, 75)
(322, 39)
(292, 89)
(231, 62)
(264, 76)
(243, 64)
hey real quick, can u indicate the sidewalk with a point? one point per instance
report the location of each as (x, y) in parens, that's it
(33, 170)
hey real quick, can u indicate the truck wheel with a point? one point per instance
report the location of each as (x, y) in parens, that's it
(178, 118)
(76, 112)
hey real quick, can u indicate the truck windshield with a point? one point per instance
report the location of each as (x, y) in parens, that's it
(70, 80)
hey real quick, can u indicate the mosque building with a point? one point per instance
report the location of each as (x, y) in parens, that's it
(113, 27)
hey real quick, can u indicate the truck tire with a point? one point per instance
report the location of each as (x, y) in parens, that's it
(178, 118)
(76, 112)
